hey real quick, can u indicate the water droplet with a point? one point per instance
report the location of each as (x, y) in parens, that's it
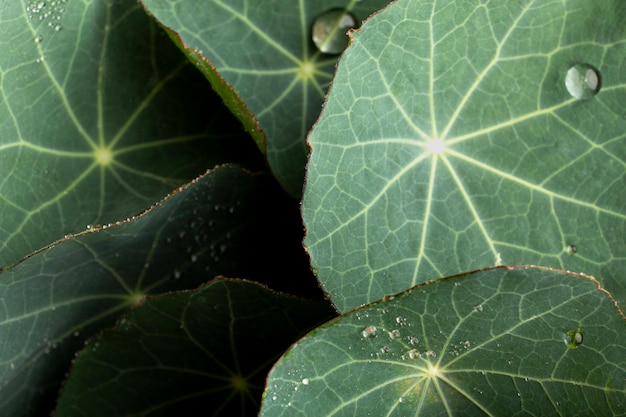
(582, 81)
(394, 334)
(329, 30)
(39, 38)
(58, 27)
(305, 381)
(571, 249)
(573, 338)
(414, 353)
(369, 332)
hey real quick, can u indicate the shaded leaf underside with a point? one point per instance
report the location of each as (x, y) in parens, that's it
(208, 349)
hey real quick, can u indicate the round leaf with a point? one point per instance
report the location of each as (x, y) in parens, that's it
(494, 342)
(450, 142)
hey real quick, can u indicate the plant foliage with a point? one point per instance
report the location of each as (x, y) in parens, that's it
(152, 159)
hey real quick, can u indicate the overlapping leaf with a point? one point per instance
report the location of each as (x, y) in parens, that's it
(450, 142)
(100, 117)
(265, 52)
(53, 301)
(503, 341)
(203, 352)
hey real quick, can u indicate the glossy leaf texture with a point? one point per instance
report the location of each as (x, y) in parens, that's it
(55, 300)
(450, 141)
(100, 117)
(202, 352)
(263, 53)
(492, 342)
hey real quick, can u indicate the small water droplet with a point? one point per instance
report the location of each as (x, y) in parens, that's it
(414, 353)
(58, 27)
(305, 381)
(369, 332)
(39, 38)
(582, 81)
(571, 249)
(329, 30)
(394, 334)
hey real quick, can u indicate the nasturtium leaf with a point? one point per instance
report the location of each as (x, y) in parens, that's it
(53, 301)
(450, 142)
(100, 117)
(201, 352)
(264, 52)
(492, 342)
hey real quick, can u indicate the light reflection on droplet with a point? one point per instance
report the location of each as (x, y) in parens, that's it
(582, 81)
(329, 30)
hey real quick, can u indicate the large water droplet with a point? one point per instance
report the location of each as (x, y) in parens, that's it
(329, 30)
(582, 81)
(573, 338)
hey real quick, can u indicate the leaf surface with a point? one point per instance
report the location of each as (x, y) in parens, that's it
(100, 117)
(493, 342)
(264, 51)
(55, 300)
(450, 142)
(209, 349)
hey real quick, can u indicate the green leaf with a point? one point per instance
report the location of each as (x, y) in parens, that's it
(208, 349)
(262, 53)
(100, 116)
(450, 142)
(53, 301)
(492, 342)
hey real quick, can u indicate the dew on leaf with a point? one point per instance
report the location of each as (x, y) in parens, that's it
(571, 249)
(582, 81)
(329, 30)
(305, 381)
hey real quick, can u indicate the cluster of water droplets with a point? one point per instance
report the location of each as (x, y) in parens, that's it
(204, 241)
(395, 339)
(49, 13)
